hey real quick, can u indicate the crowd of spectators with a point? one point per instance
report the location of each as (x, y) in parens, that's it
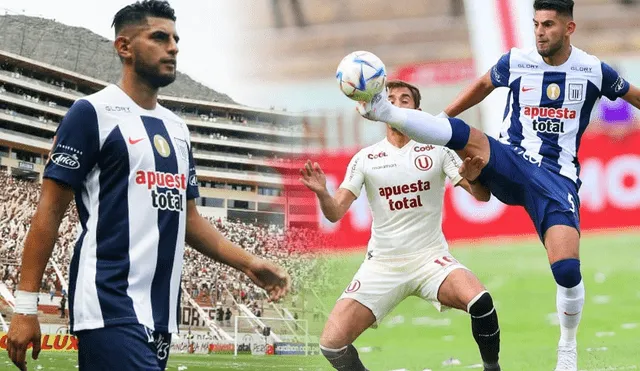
(210, 283)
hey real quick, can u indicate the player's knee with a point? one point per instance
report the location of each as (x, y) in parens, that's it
(567, 272)
(481, 305)
(332, 339)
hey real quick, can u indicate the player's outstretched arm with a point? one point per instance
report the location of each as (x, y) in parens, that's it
(38, 246)
(633, 96)
(205, 238)
(333, 207)
(471, 96)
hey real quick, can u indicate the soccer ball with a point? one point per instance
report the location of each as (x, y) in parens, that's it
(361, 75)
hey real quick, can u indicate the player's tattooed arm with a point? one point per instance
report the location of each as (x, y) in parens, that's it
(470, 171)
(633, 96)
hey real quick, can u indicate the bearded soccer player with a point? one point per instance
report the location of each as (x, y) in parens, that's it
(407, 254)
(552, 91)
(129, 163)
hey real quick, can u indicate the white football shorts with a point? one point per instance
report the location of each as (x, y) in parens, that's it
(382, 283)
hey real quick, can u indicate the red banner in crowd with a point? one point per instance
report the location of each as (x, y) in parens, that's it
(610, 198)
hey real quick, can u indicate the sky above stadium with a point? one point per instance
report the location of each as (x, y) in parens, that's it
(209, 33)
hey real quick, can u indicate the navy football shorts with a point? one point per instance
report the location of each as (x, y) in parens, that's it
(123, 348)
(549, 198)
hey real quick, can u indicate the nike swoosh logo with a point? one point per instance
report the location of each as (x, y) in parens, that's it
(571, 315)
(132, 141)
(524, 90)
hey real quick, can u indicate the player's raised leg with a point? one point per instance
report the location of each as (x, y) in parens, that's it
(426, 128)
(562, 243)
(463, 290)
(347, 321)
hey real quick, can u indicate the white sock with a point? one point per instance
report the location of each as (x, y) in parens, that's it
(417, 125)
(569, 303)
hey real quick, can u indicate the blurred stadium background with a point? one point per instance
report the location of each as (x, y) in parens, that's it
(247, 158)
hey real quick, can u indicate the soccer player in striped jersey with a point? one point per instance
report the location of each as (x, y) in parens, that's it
(128, 162)
(534, 164)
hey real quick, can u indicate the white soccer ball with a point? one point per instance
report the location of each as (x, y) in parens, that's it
(361, 75)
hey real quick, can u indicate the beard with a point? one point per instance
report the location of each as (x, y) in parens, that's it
(551, 49)
(152, 76)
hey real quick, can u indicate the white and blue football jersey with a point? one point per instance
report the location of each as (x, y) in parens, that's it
(132, 171)
(549, 107)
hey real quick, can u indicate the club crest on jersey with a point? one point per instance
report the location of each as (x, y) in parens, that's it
(353, 287)
(161, 145)
(553, 91)
(182, 148)
(423, 162)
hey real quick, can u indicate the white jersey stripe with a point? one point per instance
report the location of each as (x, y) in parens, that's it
(87, 311)
(141, 259)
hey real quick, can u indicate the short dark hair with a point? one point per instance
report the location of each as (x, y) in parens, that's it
(563, 7)
(138, 12)
(415, 92)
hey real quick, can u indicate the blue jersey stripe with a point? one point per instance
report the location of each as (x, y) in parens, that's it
(515, 129)
(553, 93)
(112, 234)
(83, 216)
(168, 223)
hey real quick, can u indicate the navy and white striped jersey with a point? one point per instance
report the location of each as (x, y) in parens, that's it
(549, 107)
(132, 171)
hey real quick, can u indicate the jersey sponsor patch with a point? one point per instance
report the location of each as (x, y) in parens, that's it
(69, 161)
(168, 199)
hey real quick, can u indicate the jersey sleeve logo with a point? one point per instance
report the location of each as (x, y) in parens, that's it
(69, 161)
(619, 84)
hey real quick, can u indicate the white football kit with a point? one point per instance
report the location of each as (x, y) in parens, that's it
(407, 254)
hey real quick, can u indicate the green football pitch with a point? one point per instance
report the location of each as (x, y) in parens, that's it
(415, 337)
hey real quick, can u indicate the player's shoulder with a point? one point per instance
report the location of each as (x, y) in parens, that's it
(523, 56)
(583, 56)
(168, 116)
(372, 151)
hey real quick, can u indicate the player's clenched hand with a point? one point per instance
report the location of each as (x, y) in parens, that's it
(471, 168)
(271, 277)
(313, 177)
(24, 329)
